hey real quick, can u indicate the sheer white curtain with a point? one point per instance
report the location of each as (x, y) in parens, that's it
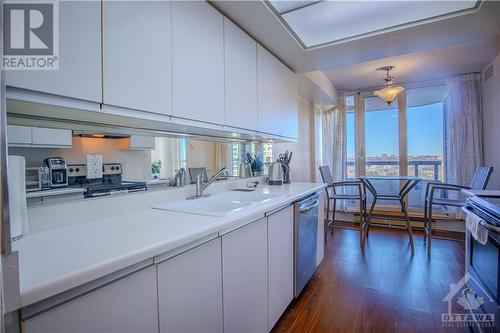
(463, 139)
(334, 146)
(221, 155)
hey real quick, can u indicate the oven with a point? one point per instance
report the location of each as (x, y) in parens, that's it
(483, 263)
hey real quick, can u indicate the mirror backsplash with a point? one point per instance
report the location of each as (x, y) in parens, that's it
(162, 162)
(171, 154)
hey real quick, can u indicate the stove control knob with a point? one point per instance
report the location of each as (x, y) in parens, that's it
(71, 170)
(77, 169)
(112, 168)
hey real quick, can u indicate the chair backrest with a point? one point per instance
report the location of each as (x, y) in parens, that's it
(481, 178)
(326, 175)
(194, 172)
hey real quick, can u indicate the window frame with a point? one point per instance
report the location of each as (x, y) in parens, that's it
(359, 127)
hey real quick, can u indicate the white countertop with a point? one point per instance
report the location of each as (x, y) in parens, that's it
(55, 191)
(56, 260)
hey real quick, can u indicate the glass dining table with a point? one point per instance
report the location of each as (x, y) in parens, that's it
(406, 184)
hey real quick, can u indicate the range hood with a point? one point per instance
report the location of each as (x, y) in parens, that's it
(99, 135)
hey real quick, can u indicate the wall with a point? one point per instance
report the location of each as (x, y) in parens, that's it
(136, 164)
(491, 122)
(302, 165)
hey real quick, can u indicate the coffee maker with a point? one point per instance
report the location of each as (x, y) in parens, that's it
(58, 173)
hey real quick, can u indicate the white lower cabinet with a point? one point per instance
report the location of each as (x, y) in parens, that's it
(244, 278)
(280, 262)
(190, 290)
(127, 305)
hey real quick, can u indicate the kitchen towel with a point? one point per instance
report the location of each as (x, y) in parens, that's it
(473, 224)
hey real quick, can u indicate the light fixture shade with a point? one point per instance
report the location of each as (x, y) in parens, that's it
(388, 93)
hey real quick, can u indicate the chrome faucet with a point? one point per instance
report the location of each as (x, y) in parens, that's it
(201, 186)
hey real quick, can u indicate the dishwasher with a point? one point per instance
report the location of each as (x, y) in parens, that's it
(305, 241)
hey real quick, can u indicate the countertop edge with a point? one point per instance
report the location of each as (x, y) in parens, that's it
(43, 291)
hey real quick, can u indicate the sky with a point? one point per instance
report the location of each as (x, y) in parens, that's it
(424, 128)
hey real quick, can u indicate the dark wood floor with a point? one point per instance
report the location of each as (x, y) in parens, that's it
(384, 289)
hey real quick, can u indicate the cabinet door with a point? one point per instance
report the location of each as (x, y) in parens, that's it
(240, 58)
(190, 290)
(137, 62)
(51, 137)
(280, 262)
(244, 276)
(277, 96)
(128, 305)
(79, 74)
(140, 142)
(198, 62)
(290, 116)
(18, 135)
(270, 94)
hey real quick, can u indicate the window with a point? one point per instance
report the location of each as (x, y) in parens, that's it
(349, 101)
(258, 154)
(168, 156)
(381, 137)
(425, 135)
(374, 131)
(351, 144)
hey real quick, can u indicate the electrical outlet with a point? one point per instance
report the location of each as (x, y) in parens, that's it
(94, 166)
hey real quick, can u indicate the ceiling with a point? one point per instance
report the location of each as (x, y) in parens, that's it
(428, 65)
(316, 23)
(434, 50)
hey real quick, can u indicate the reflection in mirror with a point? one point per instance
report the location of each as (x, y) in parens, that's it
(133, 150)
(172, 154)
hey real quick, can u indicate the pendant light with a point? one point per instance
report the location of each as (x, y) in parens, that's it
(390, 92)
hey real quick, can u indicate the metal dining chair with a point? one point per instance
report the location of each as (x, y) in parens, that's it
(332, 195)
(479, 182)
(410, 183)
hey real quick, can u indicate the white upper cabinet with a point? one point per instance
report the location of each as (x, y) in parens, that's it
(137, 57)
(198, 62)
(290, 117)
(79, 74)
(240, 58)
(25, 136)
(268, 74)
(277, 96)
(19, 136)
(51, 137)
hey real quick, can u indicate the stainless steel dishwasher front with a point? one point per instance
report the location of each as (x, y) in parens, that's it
(305, 240)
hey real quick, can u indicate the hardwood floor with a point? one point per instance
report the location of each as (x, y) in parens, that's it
(383, 289)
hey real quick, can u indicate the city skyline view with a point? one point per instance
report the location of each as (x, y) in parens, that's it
(424, 131)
